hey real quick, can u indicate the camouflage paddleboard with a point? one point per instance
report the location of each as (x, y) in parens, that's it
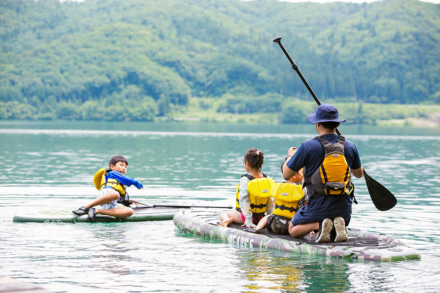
(360, 246)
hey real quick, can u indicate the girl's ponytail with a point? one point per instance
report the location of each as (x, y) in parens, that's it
(255, 157)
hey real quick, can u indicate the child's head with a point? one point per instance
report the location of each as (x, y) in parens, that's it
(255, 157)
(116, 159)
(297, 178)
(119, 164)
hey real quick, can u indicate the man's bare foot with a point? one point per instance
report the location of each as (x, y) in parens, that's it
(225, 223)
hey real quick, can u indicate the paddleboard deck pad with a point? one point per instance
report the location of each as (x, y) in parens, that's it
(361, 245)
(139, 215)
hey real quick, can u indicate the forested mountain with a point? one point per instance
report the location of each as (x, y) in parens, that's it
(137, 59)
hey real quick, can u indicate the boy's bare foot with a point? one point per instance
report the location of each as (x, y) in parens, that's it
(225, 223)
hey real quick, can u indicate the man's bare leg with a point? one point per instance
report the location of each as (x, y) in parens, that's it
(300, 230)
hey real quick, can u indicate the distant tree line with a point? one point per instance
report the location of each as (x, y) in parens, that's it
(138, 59)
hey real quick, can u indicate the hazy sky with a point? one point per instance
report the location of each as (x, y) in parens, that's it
(355, 1)
(319, 1)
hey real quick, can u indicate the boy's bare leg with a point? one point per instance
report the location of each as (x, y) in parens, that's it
(262, 223)
(119, 212)
(229, 217)
(107, 198)
(302, 229)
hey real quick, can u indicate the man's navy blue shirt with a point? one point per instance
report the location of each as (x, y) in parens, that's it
(311, 154)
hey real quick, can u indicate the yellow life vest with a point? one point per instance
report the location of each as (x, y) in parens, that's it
(100, 182)
(286, 197)
(333, 177)
(259, 193)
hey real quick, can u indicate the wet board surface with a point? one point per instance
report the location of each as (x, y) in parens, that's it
(362, 245)
(66, 216)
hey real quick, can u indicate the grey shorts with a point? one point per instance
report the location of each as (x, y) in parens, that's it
(278, 225)
(111, 205)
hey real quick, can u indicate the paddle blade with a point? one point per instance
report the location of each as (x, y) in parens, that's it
(382, 198)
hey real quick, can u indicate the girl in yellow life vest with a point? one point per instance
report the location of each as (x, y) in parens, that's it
(288, 197)
(252, 198)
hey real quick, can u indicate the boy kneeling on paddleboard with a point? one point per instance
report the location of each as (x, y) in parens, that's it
(287, 198)
(112, 198)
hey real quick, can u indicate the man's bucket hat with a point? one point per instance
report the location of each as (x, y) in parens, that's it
(325, 113)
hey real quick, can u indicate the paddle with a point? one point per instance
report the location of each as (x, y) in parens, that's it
(382, 198)
(177, 206)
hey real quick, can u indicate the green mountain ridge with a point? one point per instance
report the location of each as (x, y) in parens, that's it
(137, 60)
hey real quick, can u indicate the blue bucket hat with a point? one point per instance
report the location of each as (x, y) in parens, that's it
(325, 113)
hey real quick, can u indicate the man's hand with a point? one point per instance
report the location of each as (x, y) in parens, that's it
(291, 151)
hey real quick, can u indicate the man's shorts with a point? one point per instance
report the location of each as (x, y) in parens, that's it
(321, 207)
(111, 205)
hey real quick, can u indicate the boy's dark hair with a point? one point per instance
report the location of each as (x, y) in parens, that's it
(116, 159)
(282, 165)
(330, 125)
(255, 157)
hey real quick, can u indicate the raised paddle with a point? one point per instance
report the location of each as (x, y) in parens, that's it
(382, 198)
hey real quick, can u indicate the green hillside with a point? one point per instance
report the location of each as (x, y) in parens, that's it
(144, 59)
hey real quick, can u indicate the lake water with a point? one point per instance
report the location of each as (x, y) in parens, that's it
(50, 166)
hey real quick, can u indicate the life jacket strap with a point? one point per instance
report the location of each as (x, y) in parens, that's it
(260, 206)
(283, 207)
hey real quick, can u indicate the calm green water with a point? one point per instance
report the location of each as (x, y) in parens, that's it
(50, 166)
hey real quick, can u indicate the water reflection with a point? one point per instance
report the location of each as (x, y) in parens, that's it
(276, 271)
(110, 247)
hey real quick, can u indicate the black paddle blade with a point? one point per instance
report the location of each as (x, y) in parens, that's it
(382, 198)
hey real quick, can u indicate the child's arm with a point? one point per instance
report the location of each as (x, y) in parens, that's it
(125, 180)
(244, 202)
(270, 203)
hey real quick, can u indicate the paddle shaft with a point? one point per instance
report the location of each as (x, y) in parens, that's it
(382, 198)
(295, 67)
(179, 206)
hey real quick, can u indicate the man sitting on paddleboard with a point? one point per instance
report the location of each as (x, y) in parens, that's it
(328, 161)
(112, 184)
